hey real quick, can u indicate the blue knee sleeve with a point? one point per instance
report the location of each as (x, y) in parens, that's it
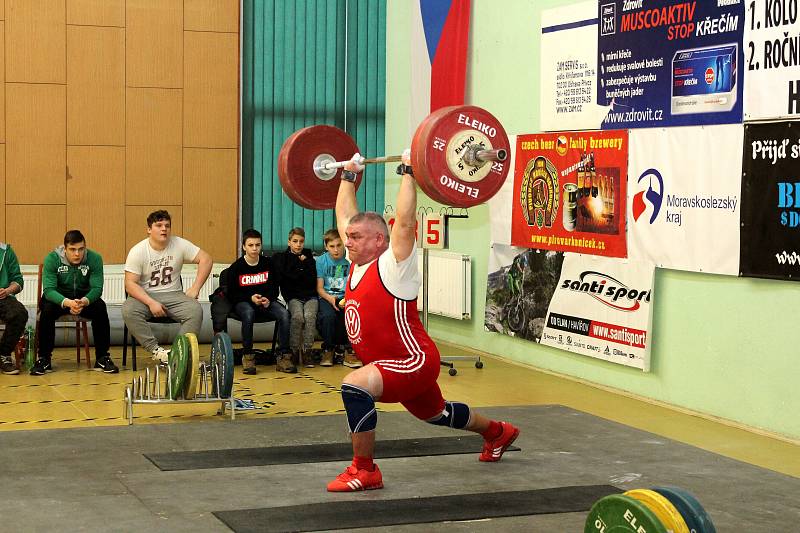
(455, 415)
(360, 407)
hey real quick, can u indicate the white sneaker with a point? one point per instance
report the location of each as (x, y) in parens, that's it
(161, 355)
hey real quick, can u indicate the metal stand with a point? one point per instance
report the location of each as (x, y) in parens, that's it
(446, 360)
(144, 391)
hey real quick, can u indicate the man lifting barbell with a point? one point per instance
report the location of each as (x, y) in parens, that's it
(401, 361)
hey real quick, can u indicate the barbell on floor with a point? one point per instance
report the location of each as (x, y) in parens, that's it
(458, 155)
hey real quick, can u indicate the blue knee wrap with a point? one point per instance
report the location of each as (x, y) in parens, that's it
(455, 415)
(360, 407)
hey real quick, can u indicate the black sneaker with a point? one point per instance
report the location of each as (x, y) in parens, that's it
(106, 365)
(41, 366)
(7, 365)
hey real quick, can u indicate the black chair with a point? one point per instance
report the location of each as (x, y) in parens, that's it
(126, 336)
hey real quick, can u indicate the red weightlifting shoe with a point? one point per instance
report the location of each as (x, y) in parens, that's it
(353, 479)
(493, 449)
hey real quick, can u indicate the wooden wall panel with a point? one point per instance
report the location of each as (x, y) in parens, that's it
(36, 143)
(2, 82)
(35, 41)
(210, 200)
(154, 49)
(2, 192)
(96, 198)
(96, 12)
(136, 222)
(95, 85)
(154, 147)
(35, 230)
(211, 93)
(211, 15)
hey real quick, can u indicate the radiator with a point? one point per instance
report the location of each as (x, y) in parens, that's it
(449, 284)
(114, 285)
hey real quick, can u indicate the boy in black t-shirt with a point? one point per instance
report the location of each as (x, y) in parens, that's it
(253, 292)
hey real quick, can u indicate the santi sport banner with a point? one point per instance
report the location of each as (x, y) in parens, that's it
(684, 198)
(772, 57)
(770, 241)
(591, 306)
(570, 192)
(568, 69)
(670, 62)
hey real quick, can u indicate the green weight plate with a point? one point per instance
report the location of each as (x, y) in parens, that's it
(622, 514)
(696, 518)
(193, 370)
(222, 358)
(663, 509)
(178, 360)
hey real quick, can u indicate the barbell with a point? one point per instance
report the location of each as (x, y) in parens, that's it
(458, 155)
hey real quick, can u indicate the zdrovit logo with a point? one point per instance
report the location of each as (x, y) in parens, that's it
(653, 196)
(608, 290)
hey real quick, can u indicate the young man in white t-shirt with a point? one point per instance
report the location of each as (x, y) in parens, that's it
(153, 282)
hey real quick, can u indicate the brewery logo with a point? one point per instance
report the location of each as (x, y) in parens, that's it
(608, 290)
(562, 143)
(539, 192)
(652, 196)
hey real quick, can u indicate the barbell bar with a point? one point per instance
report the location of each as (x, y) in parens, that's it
(458, 155)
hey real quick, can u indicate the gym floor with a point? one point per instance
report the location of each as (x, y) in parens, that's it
(73, 397)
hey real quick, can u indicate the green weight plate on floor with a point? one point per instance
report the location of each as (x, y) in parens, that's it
(178, 360)
(696, 518)
(663, 509)
(222, 358)
(622, 514)
(193, 368)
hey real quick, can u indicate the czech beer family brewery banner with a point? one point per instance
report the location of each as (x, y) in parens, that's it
(772, 55)
(570, 192)
(684, 199)
(587, 305)
(670, 62)
(771, 201)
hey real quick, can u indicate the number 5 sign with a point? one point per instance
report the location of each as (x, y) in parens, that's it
(434, 231)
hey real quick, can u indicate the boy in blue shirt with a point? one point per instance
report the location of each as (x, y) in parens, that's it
(332, 271)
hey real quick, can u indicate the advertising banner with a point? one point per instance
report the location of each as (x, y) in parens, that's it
(670, 62)
(570, 192)
(770, 240)
(684, 197)
(591, 306)
(772, 54)
(568, 69)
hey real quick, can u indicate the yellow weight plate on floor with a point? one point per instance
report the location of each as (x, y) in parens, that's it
(193, 368)
(662, 508)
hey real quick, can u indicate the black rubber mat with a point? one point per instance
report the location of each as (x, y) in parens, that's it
(362, 512)
(314, 453)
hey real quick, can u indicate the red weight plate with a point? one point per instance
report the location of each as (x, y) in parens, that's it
(439, 145)
(296, 165)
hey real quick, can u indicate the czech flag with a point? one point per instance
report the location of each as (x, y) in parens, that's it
(439, 37)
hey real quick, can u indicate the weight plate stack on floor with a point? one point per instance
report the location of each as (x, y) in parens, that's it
(178, 361)
(618, 513)
(662, 508)
(222, 359)
(695, 516)
(193, 368)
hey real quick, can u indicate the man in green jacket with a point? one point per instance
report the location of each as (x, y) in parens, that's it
(72, 282)
(12, 313)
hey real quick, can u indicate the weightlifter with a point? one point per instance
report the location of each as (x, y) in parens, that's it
(401, 361)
